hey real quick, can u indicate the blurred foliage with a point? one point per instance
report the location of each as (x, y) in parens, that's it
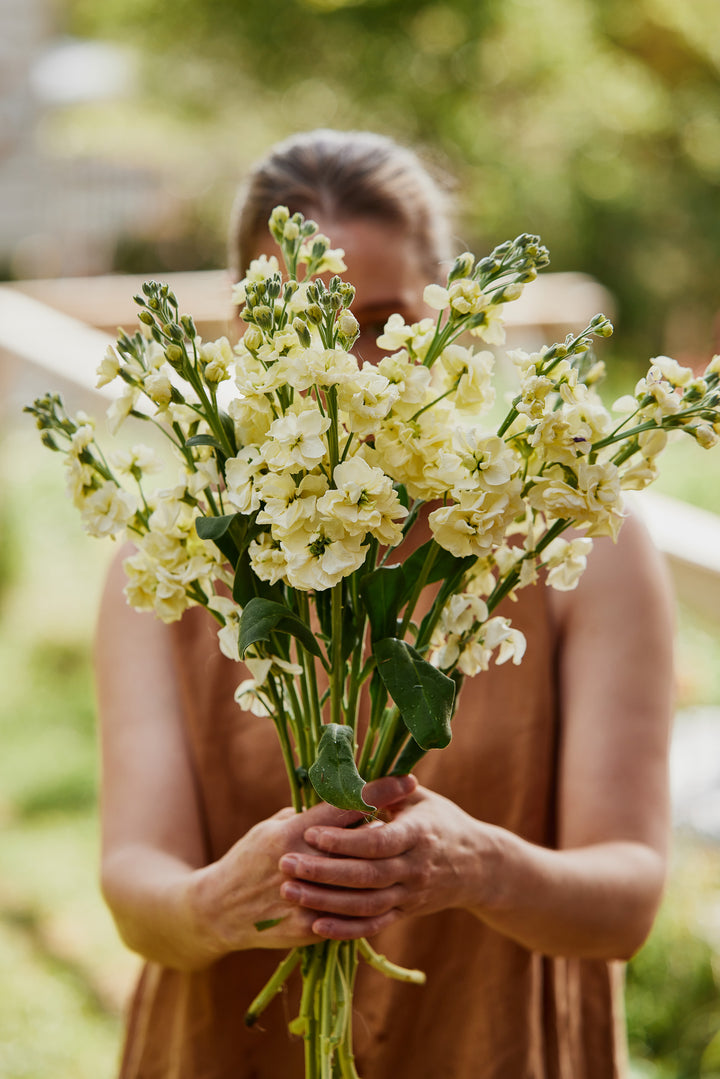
(673, 984)
(593, 122)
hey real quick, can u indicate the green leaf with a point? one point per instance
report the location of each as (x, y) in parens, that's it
(334, 774)
(385, 591)
(205, 440)
(227, 532)
(411, 754)
(247, 585)
(268, 923)
(444, 565)
(424, 695)
(382, 592)
(261, 616)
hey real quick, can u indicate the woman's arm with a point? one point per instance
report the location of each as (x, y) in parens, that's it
(598, 893)
(169, 906)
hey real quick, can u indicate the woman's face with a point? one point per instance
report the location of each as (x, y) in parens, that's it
(383, 265)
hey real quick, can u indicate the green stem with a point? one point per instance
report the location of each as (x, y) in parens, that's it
(336, 665)
(390, 970)
(388, 734)
(281, 726)
(327, 1010)
(418, 587)
(313, 718)
(273, 986)
(297, 721)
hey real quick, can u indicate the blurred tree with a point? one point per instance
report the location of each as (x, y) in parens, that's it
(593, 122)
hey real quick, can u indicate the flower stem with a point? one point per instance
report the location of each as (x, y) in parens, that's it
(336, 660)
(272, 987)
(390, 970)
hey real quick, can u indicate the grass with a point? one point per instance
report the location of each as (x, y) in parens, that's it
(65, 976)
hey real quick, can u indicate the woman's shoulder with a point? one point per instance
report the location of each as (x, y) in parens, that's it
(626, 578)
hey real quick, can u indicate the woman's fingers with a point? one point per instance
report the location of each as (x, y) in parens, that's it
(349, 902)
(336, 928)
(343, 872)
(375, 840)
(389, 790)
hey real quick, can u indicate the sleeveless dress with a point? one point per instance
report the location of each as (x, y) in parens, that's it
(491, 1009)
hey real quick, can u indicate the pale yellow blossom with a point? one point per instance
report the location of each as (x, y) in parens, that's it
(295, 440)
(107, 510)
(320, 558)
(475, 524)
(109, 367)
(566, 561)
(396, 334)
(364, 500)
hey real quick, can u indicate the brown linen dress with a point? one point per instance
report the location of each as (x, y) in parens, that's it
(490, 1008)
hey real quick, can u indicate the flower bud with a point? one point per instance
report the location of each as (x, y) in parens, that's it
(601, 326)
(462, 267)
(188, 325)
(303, 332)
(263, 316)
(171, 329)
(252, 338)
(348, 327)
(314, 314)
(47, 440)
(174, 354)
(278, 219)
(513, 291)
(146, 317)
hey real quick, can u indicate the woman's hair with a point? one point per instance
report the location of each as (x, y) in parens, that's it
(338, 175)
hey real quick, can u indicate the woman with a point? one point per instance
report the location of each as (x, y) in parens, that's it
(517, 867)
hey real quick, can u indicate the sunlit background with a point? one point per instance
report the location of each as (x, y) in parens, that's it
(125, 126)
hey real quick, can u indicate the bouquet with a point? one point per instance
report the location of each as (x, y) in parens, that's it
(301, 470)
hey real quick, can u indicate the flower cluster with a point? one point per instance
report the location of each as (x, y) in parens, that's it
(318, 464)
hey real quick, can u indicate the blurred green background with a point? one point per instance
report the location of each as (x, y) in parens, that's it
(593, 122)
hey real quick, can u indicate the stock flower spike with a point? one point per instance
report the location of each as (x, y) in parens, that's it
(287, 502)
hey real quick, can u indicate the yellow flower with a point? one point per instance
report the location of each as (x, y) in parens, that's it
(466, 297)
(321, 557)
(267, 558)
(475, 524)
(216, 358)
(436, 296)
(295, 440)
(675, 373)
(410, 379)
(121, 408)
(241, 476)
(366, 398)
(106, 511)
(109, 367)
(251, 417)
(288, 504)
(566, 561)
(395, 335)
(158, 388)
(364, 500)
(470, 373)
(140, 459)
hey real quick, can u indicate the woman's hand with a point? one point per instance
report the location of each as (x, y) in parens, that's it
(429, 856)
(241, 900)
